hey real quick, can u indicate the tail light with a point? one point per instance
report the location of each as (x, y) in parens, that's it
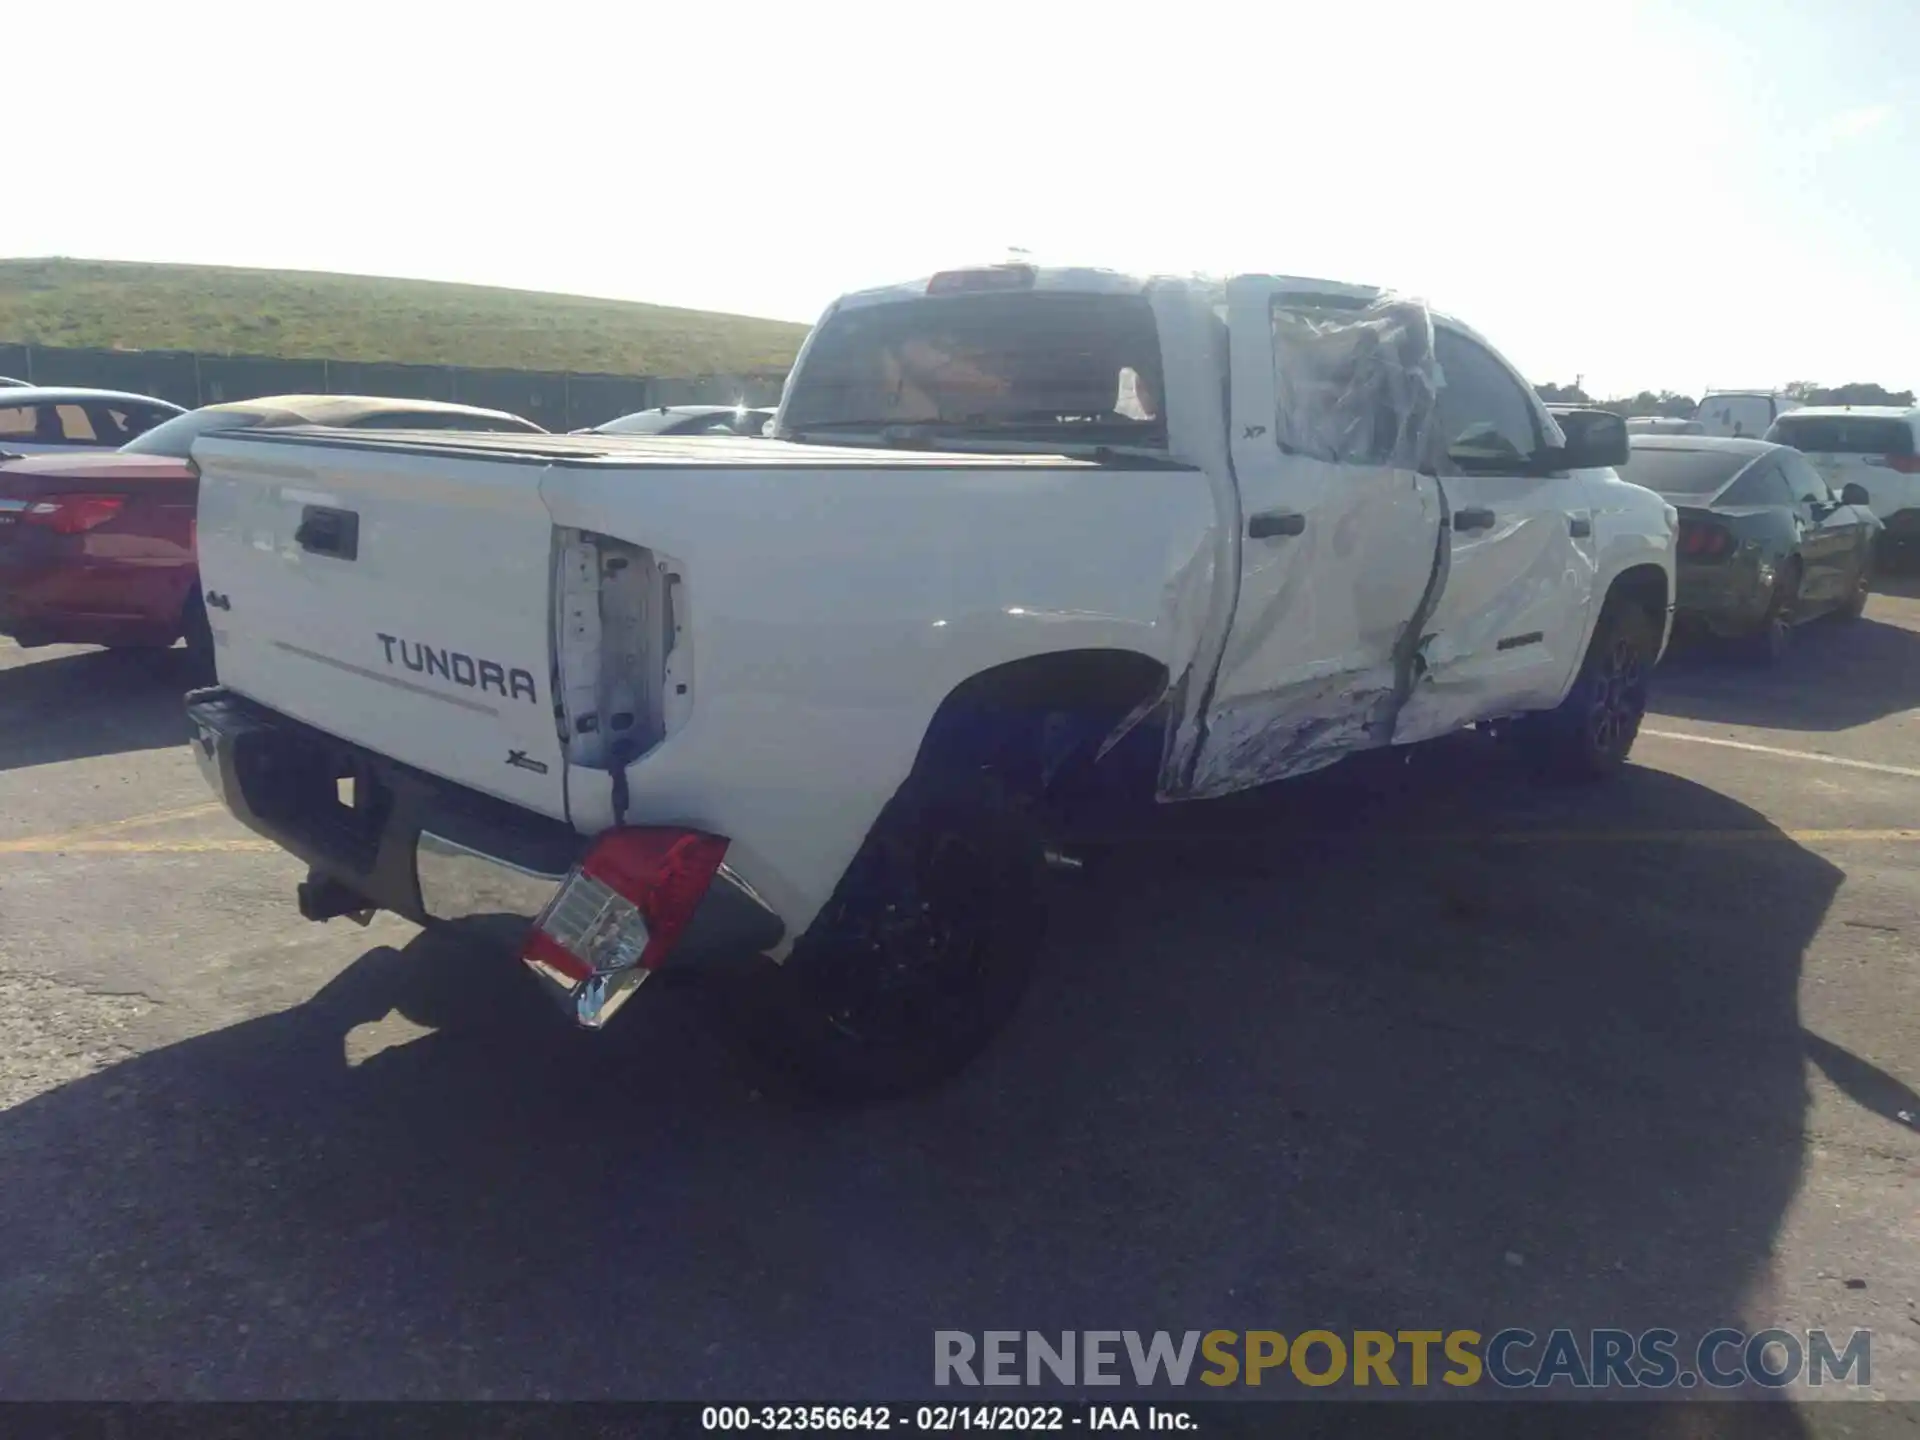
(619, 912)
(72, 514)
(1704, 542)
(1905, 464)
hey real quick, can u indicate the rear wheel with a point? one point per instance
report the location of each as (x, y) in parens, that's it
(1588, 736)
(922, 954)
(1769, 644)
(1894, 555)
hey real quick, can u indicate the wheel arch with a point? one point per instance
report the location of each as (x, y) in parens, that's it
(1647, 586)
(993, 718)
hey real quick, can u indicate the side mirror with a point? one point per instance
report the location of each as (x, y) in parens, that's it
(1595, 439)
(1854, 493)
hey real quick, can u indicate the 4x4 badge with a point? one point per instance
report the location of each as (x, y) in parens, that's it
(518, 758)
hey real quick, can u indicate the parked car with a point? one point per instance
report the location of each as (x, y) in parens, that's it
(808, 715)
(40, 419)
(8, 380)
(1638, 424)
(689, 420)
(1741, 412)
(98, 548)
(1876, 447)
(1764, 544)
(1663, 425)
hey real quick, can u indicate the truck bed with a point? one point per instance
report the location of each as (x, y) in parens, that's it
(713, 452)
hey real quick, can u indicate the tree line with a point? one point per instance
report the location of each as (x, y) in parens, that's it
(1673, 403)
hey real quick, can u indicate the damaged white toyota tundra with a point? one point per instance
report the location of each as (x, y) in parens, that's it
(813, 712)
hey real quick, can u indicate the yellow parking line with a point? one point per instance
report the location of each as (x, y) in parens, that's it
(66, 838)
(1815, 837)
(87, 841)
(1746, 835)
(131, 847)
(1690, 837)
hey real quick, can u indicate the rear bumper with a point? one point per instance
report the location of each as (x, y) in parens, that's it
(430, 850)
(1729, 598)
(54, 600)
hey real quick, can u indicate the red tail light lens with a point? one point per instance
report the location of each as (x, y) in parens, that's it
(1704, 542)
(72, 514)
(625, 905)
(1905, 464)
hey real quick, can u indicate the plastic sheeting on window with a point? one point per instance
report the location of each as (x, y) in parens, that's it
(1357, 387)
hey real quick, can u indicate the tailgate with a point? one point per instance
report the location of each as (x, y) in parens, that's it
(395, 599)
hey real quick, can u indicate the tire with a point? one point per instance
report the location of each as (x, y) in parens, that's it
(1856, 605)
(1893, 554)
(1769, 644)
(923, 953)
(198, 633)
(1588, 736)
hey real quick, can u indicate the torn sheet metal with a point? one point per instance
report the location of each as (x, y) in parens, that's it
(1323, 652)
(1513, 600)
(1351, 590)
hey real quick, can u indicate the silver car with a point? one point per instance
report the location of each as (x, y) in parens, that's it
(45, 420)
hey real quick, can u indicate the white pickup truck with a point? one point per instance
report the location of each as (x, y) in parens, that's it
(812, 711)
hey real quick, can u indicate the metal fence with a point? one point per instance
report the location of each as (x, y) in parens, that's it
(557, 401)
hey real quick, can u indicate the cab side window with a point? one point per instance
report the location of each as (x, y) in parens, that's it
(16, 422)
(1483, 417)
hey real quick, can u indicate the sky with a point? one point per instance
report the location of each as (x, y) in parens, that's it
(1717, 193)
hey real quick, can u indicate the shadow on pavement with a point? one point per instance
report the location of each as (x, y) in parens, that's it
(1864, 1083)
(1837, 676)
(70, 705)
(1399, 1045)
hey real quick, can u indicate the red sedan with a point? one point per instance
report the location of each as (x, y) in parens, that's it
(97, 548)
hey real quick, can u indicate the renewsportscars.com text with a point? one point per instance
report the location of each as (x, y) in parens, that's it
(1512, 1359)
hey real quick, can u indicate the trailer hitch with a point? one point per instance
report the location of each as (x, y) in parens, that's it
(321, 897)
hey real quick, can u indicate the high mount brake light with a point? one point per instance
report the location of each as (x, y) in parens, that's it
(992, 277)
(619, 913)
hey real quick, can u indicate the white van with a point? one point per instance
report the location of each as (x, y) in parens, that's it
(1741, 412)
(1877, 446)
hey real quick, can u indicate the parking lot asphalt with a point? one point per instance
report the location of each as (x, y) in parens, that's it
(1414, 1042)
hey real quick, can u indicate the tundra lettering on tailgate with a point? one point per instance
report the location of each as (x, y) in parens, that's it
(425, 659)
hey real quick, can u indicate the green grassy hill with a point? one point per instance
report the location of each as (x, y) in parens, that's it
(297, 314)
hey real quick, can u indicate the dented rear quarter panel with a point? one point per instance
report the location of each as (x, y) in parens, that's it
(833, 607)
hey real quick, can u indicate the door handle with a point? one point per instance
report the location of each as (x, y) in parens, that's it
(1474, 519)
(324, 531)
(1579, 526)
(1271, 524)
